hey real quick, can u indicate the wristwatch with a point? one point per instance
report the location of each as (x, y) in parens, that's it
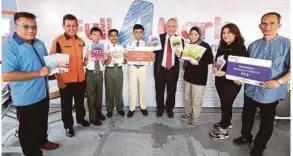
(280, 81)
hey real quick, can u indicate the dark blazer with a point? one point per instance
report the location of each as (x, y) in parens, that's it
(160, 54)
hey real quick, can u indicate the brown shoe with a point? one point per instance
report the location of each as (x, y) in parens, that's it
(50, 146)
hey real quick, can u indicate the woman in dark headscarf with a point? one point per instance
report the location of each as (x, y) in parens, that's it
(195, 76)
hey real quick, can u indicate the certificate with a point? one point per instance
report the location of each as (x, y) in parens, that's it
(57, 62)
(193, 52)
(140, 56)
(97, 52)
(220, 63)
(248, 70)
(176, 43)
(155, 42)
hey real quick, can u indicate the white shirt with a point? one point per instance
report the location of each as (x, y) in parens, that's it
(165, 53)
(113, 61)
(133, 43)
(91, 64)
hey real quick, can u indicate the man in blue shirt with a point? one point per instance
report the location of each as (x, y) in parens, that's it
(277, 49)
(24, 68)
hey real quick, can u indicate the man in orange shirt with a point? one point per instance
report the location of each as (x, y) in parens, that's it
(72, 83)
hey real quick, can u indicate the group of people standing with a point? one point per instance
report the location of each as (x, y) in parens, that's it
(24, 68)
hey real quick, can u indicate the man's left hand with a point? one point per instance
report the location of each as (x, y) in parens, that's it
(271, 84)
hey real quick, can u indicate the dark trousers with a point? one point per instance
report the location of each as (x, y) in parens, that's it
(165, 77)
(227, 93)
(267, 117)
(72, 90)
(94, 92)
(33, 126)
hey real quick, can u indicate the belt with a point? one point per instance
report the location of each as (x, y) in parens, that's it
(138, 66)
(93, 71)
(114, 67)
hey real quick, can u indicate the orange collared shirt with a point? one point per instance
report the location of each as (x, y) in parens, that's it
(74, 47)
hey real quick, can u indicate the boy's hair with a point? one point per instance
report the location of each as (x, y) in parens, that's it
(25, 15)
(93, 29)
(138, 26)
(113, 30)
(69, 17)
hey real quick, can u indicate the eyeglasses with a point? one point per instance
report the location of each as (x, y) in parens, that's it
(27, 27)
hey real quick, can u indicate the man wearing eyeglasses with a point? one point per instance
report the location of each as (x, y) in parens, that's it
(24, 68)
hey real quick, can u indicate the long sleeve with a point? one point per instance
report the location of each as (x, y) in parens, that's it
(207, 57)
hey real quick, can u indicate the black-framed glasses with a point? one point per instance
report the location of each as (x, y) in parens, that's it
(27, 27)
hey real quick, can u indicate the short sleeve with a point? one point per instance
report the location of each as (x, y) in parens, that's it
(9, 58)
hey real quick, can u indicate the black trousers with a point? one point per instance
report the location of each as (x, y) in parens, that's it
(227, 93)
(165, 77)
(267, 117)
(76, 91)
(33, 126)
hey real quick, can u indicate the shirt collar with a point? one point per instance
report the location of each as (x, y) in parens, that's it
(19, 40)
(67, 37)
(275, 38)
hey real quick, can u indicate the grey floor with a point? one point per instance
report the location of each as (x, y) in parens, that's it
(149, 136)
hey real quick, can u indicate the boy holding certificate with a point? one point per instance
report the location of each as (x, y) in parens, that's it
(114, 75)
(137, 75)
(94, 77)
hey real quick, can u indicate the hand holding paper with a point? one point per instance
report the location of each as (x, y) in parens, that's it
(44, 71)
(271, 84)
(177, 53)
(194, 62)
(220, 73)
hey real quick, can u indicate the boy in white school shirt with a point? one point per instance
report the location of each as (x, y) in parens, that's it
(94, 81)
(137, 75)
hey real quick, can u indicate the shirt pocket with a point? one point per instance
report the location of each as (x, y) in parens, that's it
(66, 48)
(277, 61)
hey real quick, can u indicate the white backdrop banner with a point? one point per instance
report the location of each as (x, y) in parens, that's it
(210, 15)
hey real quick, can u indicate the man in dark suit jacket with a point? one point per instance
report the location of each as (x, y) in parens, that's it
(166, 70)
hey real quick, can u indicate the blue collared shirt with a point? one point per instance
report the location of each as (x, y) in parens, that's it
(278, 51)
(18, 55)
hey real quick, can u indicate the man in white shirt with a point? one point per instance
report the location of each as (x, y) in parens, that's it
(137, 75)
(166, 70)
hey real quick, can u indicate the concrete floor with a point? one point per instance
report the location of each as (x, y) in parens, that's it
(150, 136)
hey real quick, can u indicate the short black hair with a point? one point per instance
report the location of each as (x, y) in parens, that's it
(69, 17)
(113, 30)
(273, 13)
(93, 29)
(138, 26)
(25, 15)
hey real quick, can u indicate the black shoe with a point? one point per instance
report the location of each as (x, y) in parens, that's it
(171, 114)
(109, 114)
(159, 114)
(102, 117)
(84, 123)
(122, 113)
(256, 152)
(130, 114)
(144, 112)
(69, 132)
(242, 140)
(96, 122)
